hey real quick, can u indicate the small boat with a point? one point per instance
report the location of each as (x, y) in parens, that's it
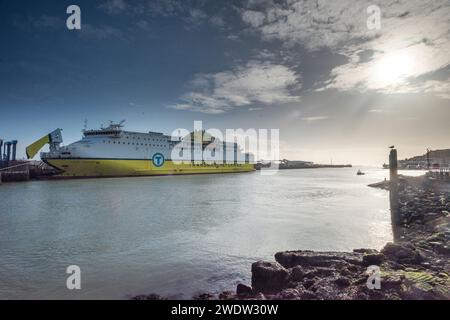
(360, 173)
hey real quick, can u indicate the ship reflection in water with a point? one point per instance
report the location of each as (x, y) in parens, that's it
(184, 234)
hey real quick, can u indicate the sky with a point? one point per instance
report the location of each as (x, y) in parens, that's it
(338, 86)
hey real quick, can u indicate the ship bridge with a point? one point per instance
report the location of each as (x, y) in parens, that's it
(113, 130)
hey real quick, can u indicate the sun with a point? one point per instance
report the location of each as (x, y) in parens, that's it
(393, 68)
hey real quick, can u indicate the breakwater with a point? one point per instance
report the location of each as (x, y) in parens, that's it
(300, 165)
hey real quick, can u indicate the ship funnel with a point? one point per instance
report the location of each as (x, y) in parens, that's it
(53, 139)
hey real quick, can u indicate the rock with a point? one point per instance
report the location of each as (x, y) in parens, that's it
(324, 289)
(401, 253)
(375, 295)
(307, 295)
(352, 268)
(392, 280)
(342, 282)
(360, 280)
(227, 295)
(260, 296)
(289, 259)
(440, 247)
(419, 291)
(362, 296)
(244, 291)
(289, 294)
(148, 297)
(431, 216)
(297, 274)
(325, 272)
(365, 251)
(346, 272)
(438, 236)
(308, 283)
(268, 277)
(204, 296)
(373, 259)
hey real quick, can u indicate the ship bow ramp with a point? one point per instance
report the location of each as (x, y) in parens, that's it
(53, 138)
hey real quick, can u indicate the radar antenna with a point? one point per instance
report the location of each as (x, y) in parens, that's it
(85, 124)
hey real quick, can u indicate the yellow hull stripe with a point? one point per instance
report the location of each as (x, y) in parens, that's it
(115, 168)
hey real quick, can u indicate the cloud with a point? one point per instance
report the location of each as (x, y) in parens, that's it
(314, 24)
(195, 17)
(146, 10)
(297, 114)
(114, 6)
(254, 18)
(255, 82)
(315, 118)
(438, 88)
(414, 40)
(217, 21)
(377, 111)
(233, 37)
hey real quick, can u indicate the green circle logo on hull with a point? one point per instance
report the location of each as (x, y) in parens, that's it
(158, 160)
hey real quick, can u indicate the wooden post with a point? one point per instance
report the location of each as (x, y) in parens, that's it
(393, 166)
(393, 194)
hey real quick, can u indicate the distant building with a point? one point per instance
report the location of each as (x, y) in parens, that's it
(438, 159)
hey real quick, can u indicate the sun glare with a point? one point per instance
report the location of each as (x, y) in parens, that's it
(393, 68)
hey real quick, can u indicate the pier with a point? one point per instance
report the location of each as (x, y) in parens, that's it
(25, 171)
(297, 164)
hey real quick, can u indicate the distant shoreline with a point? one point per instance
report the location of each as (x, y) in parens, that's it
(316, 166)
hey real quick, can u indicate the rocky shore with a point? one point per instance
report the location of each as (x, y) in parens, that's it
(415, 266)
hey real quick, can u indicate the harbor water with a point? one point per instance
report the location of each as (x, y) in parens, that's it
(178, 236)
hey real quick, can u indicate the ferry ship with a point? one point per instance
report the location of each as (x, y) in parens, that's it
(114, 152)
